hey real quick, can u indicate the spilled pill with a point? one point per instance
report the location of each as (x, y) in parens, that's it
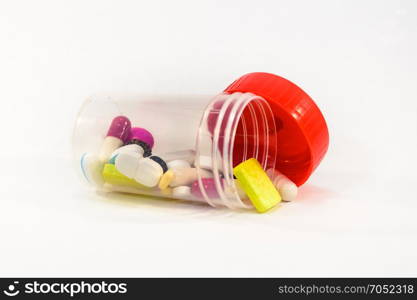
(257, 185)
(117, 135)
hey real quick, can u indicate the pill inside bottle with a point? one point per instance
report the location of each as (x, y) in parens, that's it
(187, 147)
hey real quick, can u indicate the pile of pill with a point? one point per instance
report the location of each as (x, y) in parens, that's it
(126, 163)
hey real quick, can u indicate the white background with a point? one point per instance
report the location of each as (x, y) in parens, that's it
(356, 216)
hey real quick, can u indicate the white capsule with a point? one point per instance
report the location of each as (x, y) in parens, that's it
(132, 148)
(149, 172)
(186, 176)
(181, 191)
(92, 167)
(127, 163)
(178, 164)
(287, 189)
(110, 144)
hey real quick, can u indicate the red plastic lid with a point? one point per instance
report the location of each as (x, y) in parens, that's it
(302, 135)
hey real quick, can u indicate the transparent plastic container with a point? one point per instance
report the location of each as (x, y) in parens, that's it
(200, 139)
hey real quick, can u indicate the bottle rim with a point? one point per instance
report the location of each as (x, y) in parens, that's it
(219, 128)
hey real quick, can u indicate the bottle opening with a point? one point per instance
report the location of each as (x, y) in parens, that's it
(234, 128)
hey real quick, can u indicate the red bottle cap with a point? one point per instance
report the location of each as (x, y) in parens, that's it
(302, 134)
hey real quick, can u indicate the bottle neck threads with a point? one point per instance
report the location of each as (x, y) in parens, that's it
(234, 127)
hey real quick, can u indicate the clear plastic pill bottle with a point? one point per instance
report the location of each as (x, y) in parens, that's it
(192, 143)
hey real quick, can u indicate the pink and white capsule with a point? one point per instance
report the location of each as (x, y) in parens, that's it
(117, 135)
